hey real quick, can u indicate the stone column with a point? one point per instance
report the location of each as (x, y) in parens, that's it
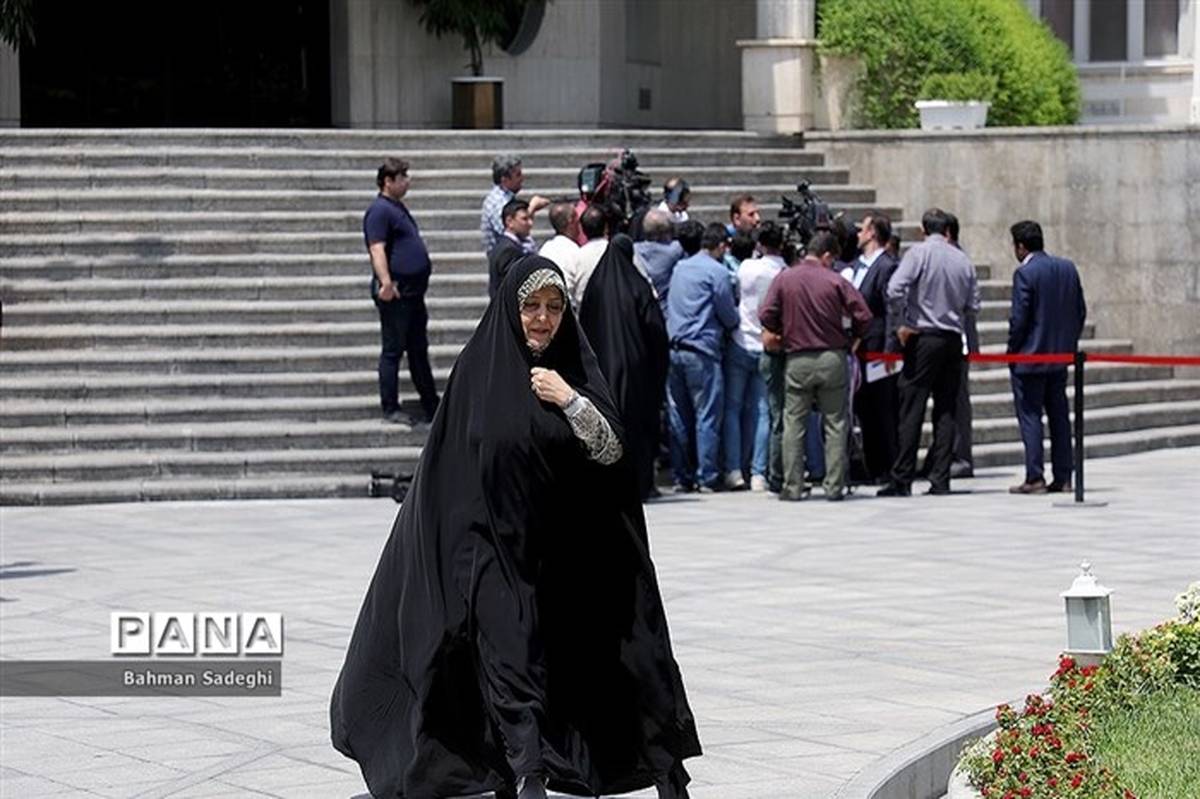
(10, 87)
(1196, 62)
(777, 67)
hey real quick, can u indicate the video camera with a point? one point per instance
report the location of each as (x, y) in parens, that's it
(803, 217)
(619, 186)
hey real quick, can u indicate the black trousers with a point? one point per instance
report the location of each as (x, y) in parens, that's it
(403, 326)
(932, 365)
(875, 406)
(963, 416)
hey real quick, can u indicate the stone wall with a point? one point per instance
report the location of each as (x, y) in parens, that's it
(1122, 202)
(588, 66)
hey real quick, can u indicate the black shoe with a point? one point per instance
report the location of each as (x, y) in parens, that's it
(837, 497)
(1059, 488)
(653, 493)
(894, 489)
(938, 491)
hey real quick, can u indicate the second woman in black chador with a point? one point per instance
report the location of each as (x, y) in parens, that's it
(513, 635)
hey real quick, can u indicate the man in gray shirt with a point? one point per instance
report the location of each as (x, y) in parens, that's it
(933, 299)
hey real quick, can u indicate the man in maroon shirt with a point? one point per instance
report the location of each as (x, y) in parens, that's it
(806, 306)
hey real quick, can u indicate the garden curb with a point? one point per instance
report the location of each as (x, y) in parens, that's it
(921, 768)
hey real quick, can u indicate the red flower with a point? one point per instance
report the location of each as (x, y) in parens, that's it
(1034, 752)
(1075, 757)
(1077, 780)
(1129, 794)
(998, 755)
(1026, 792)
(1023, 777)
(1052, 782)
(1016, 750)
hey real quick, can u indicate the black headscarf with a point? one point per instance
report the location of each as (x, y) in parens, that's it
(514, 622)
(624, 324)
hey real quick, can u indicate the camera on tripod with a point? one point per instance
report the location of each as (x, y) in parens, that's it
(803, 217)
(619, 187)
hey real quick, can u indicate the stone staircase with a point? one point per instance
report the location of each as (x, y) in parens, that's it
(185, 312)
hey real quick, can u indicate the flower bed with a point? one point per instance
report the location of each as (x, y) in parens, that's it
(1048, 748)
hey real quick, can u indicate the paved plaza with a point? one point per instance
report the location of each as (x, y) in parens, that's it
(814, 638)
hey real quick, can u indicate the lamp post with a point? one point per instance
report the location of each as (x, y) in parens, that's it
(1089, 618)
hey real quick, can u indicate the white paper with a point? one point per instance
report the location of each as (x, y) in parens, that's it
(877, 370)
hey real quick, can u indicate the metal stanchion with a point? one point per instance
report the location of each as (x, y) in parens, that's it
(1079, 501)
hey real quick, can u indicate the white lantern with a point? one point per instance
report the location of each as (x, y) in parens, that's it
(1089, 617)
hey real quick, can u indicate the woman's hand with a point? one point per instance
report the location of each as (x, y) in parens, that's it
(549, 386)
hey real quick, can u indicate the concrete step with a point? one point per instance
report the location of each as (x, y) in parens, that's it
(241, 265)
(344, 474)
(651, 159)
(307, 399)
(137, 465)
(368, 430)
(227, 312)
(75, 179)
(1096, 446)
(1113, 419)
(277, 287)
(170, 266)
(386, 142)
(420, 201)
(200, 336)
(268, 486)
(335, 287)
(233, 360)
(274, 308)
(999, 405)
(264, 331)
(74, 389)
(463, 220)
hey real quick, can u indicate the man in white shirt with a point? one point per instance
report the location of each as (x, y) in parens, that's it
(746, 426)
(562, 249)
(594, 223)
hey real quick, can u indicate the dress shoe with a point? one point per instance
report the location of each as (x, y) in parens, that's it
(1059, 488)
(653, 493)
(894, 490)
(682, 488)
(938, 491)
(1029, 487)
(836, 496)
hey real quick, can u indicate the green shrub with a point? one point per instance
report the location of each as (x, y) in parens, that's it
(958, 86)
(903, 42)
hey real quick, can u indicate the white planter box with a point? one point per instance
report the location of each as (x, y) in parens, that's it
(950, 115)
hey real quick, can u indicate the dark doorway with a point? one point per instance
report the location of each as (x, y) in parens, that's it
(262, 63)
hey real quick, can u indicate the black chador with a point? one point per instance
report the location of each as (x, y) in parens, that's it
(624, 324)
(514, 627)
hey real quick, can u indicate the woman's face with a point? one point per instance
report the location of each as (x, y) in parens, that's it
(541, 314)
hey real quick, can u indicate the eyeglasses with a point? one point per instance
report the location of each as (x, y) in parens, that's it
(534, 308)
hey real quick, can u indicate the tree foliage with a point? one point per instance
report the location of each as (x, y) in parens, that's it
(903, 42)
(16, 22)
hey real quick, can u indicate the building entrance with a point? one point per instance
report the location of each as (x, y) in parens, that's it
(211, 64)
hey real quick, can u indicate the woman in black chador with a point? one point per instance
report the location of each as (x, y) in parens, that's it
(624, 324)
(513, 636)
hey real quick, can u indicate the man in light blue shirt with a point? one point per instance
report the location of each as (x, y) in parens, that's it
(700, 311)
(657, 254)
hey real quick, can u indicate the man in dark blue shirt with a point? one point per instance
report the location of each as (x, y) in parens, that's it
(700, 311)
(400, 266)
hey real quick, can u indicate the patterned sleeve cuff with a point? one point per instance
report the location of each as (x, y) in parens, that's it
(593, 430)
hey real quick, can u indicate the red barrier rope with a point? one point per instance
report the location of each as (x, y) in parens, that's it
(1059, 358)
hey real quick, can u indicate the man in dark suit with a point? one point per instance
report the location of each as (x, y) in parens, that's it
(876, 401)
(1048, 311)
(515, 242)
